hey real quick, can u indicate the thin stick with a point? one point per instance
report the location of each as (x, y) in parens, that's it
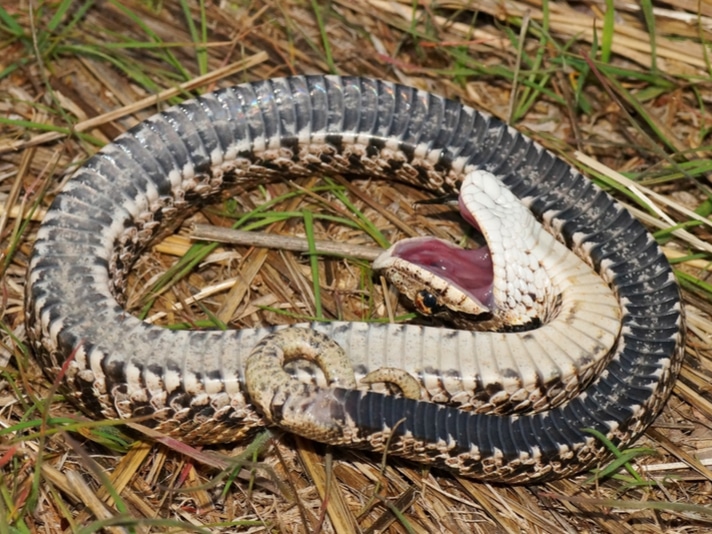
(207, 232)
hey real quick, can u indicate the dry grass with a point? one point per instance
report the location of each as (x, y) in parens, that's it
(629, 88)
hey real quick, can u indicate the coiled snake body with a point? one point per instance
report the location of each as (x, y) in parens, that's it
(192, 383)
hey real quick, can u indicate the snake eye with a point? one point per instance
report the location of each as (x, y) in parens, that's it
(426, 303)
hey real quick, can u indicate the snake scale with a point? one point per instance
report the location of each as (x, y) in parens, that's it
(191, 383)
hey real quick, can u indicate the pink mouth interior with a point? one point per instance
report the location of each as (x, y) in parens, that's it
(469, 270)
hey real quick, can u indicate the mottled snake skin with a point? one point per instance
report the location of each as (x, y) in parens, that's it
(191, 383)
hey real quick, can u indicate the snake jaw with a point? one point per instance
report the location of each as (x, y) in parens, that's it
(460, 280)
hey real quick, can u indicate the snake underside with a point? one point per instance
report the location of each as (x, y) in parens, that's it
(191, 383)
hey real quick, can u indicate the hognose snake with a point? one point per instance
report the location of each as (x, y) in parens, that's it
(192, 383)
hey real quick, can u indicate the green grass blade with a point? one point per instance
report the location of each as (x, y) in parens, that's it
(60, 12)
(313, 263)
(9, 25)
(647, 8)
(324, 36)
(199, 37)
(609, 22)
(622, 458)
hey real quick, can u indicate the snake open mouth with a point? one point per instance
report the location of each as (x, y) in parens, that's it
(468, 270)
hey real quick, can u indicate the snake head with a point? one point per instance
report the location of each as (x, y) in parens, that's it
(502, 285)
(438, 276)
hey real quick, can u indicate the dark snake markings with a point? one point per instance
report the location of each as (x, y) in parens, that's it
(152, 177)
